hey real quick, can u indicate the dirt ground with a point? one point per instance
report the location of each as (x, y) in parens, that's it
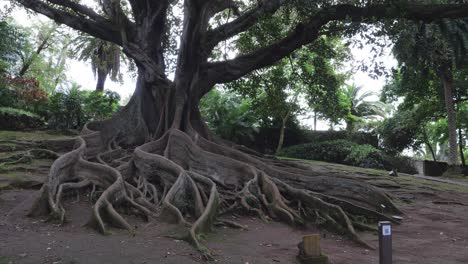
(431, 233)
(434, 231)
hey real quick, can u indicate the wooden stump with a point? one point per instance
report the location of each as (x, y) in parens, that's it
(310, 252)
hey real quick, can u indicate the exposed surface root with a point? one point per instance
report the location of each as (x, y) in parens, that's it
(187, 180)
(28, 156)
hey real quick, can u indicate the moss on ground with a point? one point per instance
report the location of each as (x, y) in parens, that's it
(33, 135)
(28, 173)
(431, 185)
(24, 175)
(5, 260)
(403, 180)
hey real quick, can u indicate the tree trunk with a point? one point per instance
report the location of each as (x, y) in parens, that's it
(428, 144)
(315, 121)
(350, 126)
(33, 57)
(281, 137)
(432, 151)
(447, 80)
(101, 79)
(460, 145)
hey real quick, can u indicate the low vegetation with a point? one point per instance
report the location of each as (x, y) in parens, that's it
(349, 153)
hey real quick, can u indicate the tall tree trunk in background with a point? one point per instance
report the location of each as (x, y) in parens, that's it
(432, 151)
(281, 137)
(349, 126)
(447, 80)
(315, 121)
(428, 144)
(460, 145)
(101, 79)
(27, 64)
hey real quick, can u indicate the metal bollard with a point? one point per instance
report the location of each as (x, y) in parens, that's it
(385, 242)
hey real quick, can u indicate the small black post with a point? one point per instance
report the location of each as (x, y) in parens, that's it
(385, 242)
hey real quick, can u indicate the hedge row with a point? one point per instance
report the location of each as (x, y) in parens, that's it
(349, 153)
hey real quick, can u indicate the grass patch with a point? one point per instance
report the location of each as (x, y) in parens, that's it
(31, 136)
(404, 180)
(33, 165)
(428, 184)
(341, 167)
(5, 260)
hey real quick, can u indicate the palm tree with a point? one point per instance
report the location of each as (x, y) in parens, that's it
(441, 46)
(105, 58)
(360, 108)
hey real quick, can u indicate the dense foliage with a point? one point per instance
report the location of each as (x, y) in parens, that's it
(70, 108)
(73, 108)
(33, 85)
(349, 153)
(338, 151)
(12, 41)
(432, 58)
(229, 116)
(15, 119)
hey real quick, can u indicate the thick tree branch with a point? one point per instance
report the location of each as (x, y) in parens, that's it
(80, 9)
(242, 23)
(102, 29)
(138, 8)
(113, 10)
(151, 19)
(226, 71)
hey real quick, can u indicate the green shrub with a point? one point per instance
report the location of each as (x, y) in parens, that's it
(73, 108)
(350, 153)
(23, 93)
(365, 156)
(66, 109)
(357, 137)
(17, 119)
(14, 111)
(100, 105)
(338, 151)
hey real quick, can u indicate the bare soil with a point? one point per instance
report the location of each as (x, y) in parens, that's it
(433, 231)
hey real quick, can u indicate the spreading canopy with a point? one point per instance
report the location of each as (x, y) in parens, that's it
(127, 26)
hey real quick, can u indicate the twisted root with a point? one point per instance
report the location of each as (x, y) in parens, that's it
(190, 181)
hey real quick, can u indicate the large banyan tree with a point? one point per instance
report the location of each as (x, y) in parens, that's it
(157, 156)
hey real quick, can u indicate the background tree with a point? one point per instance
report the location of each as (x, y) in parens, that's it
(410, 128)
(440, 48)
(43, 36)
(310, 77)
(12, 41)
(43, 55)
(173, 157)
(105, 58)
(360, 107)
(229, 116)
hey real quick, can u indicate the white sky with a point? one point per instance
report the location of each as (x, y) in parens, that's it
(81, 73)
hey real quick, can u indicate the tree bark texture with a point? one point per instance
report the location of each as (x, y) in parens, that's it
(451, 117)
(281, 136)
(101, 79)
